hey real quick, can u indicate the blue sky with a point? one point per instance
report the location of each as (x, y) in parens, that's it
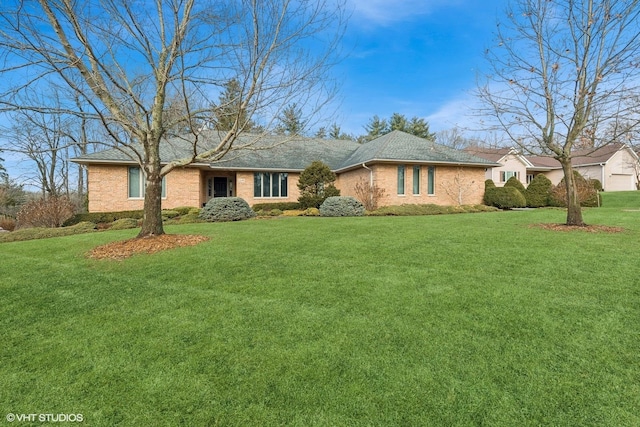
(415, 57)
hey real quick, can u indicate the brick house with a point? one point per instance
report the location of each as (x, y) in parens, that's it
(411, 170)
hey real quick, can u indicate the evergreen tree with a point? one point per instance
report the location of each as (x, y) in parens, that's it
(415, 126)
(290, 121)
(229, 108)
(316, 184)
(375, 128)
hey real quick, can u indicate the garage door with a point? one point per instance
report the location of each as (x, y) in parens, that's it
(620, 183)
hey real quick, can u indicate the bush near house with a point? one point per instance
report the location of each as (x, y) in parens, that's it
(587, 194)
(515, 183)
(48, 212)
(488, 186)
(538, 192)
(124, 224)
(316, 185)
(226, 209)
(341, 206)
(283, 206)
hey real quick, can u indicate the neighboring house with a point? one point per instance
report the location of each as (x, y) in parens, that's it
(616, 166)
(411, 170)
(512, 163)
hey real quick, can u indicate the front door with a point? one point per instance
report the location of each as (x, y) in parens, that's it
(220, 186)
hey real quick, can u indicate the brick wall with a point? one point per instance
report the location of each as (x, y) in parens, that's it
(451, 184)
(108, 189)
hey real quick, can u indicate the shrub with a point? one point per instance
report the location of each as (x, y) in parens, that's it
(269, 212)
(595, 183)
(341, 206)
(183, 210)
(194, 211)
(170, 213)
(538, 192)
(226, 209)
(428, 209)
(311, 212)
(369, 194)
(316, 185)
(283, 206)
(7, 223)
(47, 212)
(515, 183)
(103, 217)
(42, 233)
(587, 194)
(124, 224)
(488, 195)
(507, 198)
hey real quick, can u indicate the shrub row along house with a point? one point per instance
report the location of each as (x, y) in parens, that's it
(402, 168)
(616, 166)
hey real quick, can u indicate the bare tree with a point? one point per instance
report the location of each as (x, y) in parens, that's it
(127, 58)
(461, 186)
(561, 72)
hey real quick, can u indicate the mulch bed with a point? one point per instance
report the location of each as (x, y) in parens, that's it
(149, 245)
(584, 228)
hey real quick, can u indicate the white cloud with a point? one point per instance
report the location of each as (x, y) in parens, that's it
(460, 112)
(387, 12)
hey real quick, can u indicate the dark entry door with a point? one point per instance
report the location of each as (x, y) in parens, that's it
(219, 186)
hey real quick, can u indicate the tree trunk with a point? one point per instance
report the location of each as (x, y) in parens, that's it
(152, 219)
(574, 211)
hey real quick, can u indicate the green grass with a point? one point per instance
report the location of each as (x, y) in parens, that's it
(454, 320)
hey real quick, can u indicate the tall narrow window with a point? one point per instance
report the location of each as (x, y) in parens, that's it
(400, 179)
(431, 176)
(137, 184)
(416, 180)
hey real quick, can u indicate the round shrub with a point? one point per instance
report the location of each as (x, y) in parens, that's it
(488, 193)
(226, 209)
(507, 198)
(169, 213)
(587, 194)
(341, 206)
(515, 183)
(311, 212)
(124, 224)
(538, 191)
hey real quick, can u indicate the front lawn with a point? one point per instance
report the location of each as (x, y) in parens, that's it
(458, 320)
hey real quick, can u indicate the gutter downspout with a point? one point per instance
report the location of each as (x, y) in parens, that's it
(364, 165)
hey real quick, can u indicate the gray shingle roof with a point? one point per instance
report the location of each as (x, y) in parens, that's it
(296, 153)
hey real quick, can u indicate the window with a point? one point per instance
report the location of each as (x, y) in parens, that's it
(137, 184)
(431, 176)
(401, 179)
(530, 177)
(416, 180)
(505, 175)
(270, 184)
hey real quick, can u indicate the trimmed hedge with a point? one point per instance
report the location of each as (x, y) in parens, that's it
(43, 233)
(538, 192)
(515, 183)
(505, 198)
(102, 217)
(124, 224)
(341, 206)
(488, 185)
(283, 206)
(226, 209)
(429, 209)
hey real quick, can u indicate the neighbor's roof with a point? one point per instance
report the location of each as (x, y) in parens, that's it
(581, 157)
(256, 152)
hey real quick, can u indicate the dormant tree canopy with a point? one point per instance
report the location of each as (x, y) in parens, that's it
(565, 73)
(147, 69)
